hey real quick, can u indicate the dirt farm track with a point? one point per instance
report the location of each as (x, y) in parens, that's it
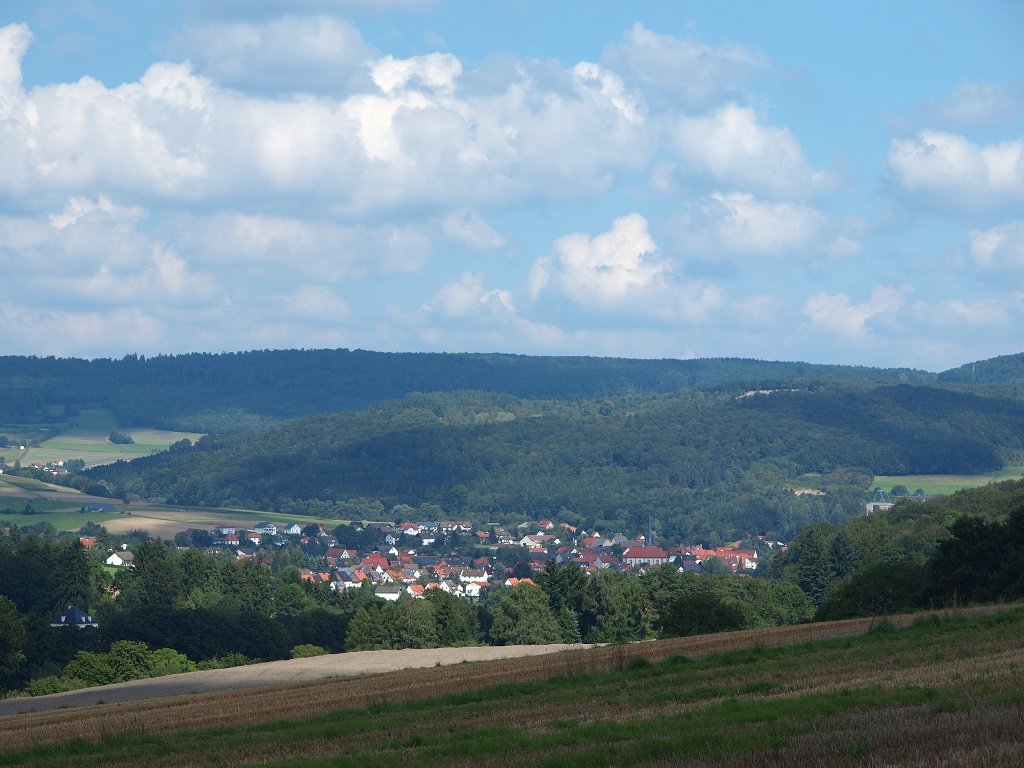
(273, 673)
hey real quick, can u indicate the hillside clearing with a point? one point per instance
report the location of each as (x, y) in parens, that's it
(946, 484)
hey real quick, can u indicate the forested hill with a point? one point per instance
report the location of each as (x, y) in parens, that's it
(997, 370)
(219, 392)
(706, 464)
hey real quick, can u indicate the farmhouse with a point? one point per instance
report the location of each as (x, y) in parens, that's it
(74, 617)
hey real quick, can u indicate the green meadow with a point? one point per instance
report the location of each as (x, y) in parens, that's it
(946, 484)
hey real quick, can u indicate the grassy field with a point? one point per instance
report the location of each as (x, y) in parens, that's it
(88, 440)
(937, 690)
(946, 484)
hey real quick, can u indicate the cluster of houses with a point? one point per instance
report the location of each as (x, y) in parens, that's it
(55, 468)
(397, 563)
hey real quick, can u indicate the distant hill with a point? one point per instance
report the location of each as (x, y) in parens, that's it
(234, 391)
(704, 464)
(997, 370)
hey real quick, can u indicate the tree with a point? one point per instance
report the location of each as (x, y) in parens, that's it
(523, 617)
(12, 637)
(570, 600)
(320, 626)
(290, 600)
(91, 668)
(964, 566)
(415, 626)
(877, 590)
(129, 660)
(73, 576)
(455, 619)
(662, 585)
(623, 613)
(370, 629)
(157, 579)
(703, 614)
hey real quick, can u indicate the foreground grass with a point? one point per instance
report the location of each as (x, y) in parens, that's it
(944, 690)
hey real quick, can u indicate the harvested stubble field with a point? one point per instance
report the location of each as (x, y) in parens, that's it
(935, 690)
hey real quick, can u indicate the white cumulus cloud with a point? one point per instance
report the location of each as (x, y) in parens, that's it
(179, 138)
(621, 269)
(315, 54)
(470, 230)
(690, 73)
(314, 302)
(606, 268)
(732, 147)
(837, 313)
(946, 170)
(738, 224)
(976, 103)
(999, 248)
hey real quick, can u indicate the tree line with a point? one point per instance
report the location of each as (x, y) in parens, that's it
(182, 610)
(967, 548)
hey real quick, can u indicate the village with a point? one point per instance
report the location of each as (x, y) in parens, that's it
(453, 556)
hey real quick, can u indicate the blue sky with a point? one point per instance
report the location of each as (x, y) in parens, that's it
(796, 180)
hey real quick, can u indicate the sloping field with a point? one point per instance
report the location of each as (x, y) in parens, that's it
(88, 440)
(165, 521)
(943, 690)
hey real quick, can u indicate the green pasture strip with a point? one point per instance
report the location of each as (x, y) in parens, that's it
(946, 484)
(43, 506)
(37, 486)
(728, 713)
(70, 521)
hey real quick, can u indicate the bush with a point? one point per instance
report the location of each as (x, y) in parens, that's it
(44, 686)
(226, 661)
(307, 651)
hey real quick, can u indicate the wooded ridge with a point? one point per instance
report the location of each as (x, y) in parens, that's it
(704, 464)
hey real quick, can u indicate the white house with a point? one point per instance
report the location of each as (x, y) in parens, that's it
(123, 559)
